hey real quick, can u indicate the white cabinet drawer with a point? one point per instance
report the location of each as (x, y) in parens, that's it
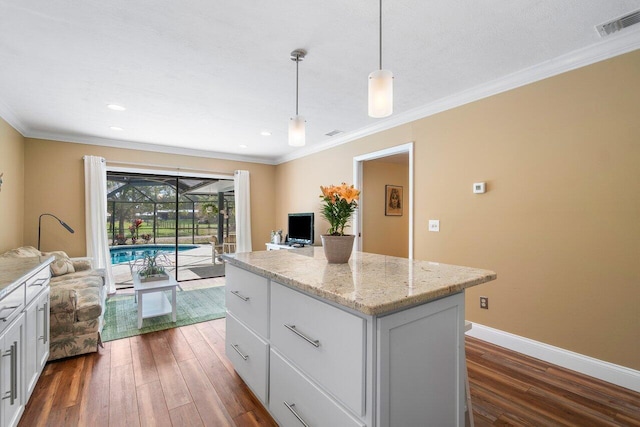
(249, 355)
(11, 306)
(246, 296)
(37, 283)
(327, 343)
(304, 398)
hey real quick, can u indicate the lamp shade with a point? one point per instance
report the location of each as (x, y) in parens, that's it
(380, 93)
(296, 131)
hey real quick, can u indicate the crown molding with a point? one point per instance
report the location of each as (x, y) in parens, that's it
(167, 149)
(626, 41)
(8, 116)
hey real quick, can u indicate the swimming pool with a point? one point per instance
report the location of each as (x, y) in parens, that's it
(123, 254)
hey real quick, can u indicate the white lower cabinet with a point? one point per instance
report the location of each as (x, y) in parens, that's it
(313, 363)
(296, 401)
(24, 333)
(11, 383)
(249, 355)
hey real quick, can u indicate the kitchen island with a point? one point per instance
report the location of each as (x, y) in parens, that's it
(375, 342)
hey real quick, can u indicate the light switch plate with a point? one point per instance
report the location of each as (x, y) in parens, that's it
(434, 225)
(479, 187)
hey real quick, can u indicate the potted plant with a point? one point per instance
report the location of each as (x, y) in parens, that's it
(152, 268)
(338, 204)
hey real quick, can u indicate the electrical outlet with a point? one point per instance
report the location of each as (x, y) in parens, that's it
(434, 225)
(484, 302)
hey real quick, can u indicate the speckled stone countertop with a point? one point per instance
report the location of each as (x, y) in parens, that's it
(371, 284)
(14, 271)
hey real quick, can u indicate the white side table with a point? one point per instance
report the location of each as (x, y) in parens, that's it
(152, 302)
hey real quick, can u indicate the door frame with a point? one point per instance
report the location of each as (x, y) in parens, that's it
(358, 167)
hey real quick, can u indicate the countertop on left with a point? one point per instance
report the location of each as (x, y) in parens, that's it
(13, 271)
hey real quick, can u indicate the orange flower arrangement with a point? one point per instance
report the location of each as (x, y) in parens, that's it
(339, 203)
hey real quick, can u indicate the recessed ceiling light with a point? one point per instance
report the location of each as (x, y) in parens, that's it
(116, 107)
(118, 128)
(242, 146)
(265, 133)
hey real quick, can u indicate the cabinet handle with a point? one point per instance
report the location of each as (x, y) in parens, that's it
(293, 411)
(293, 329)
(45, 332)
(38, 282)
(12, 393)
(14, 307)
(236, 293)
(45, 322)
(14, 372)
(235, 347)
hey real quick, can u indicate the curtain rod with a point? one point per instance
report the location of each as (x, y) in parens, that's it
(177, 168)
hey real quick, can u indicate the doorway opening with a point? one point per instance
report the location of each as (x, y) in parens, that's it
(368, 204)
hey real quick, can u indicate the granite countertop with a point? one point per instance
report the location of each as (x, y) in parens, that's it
(371, 284)
(14, 271)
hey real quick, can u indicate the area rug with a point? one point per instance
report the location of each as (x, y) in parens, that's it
(199, 305)
(207, 271)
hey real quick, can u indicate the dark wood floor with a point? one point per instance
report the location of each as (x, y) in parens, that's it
(181, 377)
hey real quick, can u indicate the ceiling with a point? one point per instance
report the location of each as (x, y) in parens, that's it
(207, 77)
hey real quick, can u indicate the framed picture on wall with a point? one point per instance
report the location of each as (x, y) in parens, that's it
(394, 204)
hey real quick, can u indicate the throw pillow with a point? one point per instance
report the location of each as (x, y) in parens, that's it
(62, 264)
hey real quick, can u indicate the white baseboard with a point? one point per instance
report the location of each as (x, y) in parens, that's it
(609, 372)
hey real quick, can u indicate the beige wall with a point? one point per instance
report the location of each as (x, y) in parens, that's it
(12, 191)
(560, 223)
(381, 234)
(54, 182)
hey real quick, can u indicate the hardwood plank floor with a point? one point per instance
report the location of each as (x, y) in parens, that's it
(181, 377)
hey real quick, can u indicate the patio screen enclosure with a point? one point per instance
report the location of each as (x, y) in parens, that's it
(147, 209)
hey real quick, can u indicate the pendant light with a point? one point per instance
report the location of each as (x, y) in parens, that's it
(296, 124)
(380, 87)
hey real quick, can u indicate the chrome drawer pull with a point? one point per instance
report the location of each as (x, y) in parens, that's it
(236, 293)
(293, 329)
(235, 347)
(12, 393)
(293, 411)
(14, 307)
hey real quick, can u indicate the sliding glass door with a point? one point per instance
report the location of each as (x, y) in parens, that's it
(190, 221)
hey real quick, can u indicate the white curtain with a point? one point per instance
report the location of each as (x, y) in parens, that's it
(242, 196)
(95, 208)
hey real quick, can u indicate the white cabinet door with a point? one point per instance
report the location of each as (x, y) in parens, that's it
(42, 335)
(31, 372)
(11, 380)
(36, 340)
(421, 365)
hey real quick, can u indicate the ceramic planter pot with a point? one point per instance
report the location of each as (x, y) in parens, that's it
(337, 249)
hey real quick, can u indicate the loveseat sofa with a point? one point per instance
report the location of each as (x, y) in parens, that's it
(77, 303)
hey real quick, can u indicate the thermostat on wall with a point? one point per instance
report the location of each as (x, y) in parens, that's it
(479, 187)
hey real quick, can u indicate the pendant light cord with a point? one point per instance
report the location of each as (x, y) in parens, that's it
(297, 64)
(381, 34)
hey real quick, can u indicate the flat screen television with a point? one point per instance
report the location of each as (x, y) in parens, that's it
(300, 228)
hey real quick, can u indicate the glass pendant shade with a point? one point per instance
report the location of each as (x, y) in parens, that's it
(380, 93)
(296, 131)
